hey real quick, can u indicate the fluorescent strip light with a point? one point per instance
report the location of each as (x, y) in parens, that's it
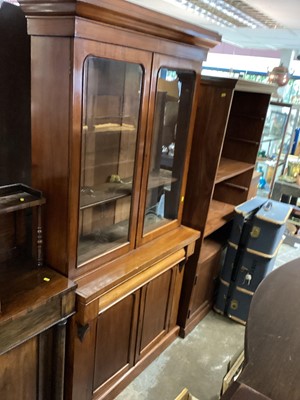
(228, 13)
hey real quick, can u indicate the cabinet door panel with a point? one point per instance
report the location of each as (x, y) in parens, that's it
(111, 105)
(116, 335)
(156, 306)
(205, 283)
(171, 115)
(16, 381)
(111, 89)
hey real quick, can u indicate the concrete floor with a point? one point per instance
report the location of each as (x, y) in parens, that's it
(198, 362)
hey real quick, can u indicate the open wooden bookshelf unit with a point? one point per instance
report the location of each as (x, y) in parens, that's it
(229, 124)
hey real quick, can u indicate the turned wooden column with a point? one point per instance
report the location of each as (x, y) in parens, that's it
(59, 360)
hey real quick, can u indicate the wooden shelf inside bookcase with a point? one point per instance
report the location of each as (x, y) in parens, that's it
(229, 168)
(243, 140)
(110, 191)
(218, 215)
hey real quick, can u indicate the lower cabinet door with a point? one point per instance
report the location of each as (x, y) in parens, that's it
(156, 305)
(205, 284)
(19, 372)
(130, 329)
(29, 370)
(115, 340)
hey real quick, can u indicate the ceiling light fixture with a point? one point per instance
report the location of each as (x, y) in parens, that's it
(279, 75)
(228, 13)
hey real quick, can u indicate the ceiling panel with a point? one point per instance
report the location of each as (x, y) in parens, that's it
(286, 12)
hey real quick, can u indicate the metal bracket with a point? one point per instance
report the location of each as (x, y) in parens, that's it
(182, 264)
(82, 330)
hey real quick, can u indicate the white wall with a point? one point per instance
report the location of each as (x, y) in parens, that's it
(247, 63)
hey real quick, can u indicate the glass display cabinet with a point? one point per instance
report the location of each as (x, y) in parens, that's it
(114, 90)
(110, 132)
(276, 142)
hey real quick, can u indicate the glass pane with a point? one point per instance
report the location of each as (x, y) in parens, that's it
(290, 132)
(271, 153)
(170, 130)
(111, 104)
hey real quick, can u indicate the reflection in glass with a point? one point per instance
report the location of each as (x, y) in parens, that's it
(111, 104)
(170, 131)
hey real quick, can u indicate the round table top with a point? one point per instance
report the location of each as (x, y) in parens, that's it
(272, 341)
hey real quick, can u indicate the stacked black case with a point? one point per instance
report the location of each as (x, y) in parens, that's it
(257, 232)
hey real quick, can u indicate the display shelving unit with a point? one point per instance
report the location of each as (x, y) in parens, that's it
(229, 124)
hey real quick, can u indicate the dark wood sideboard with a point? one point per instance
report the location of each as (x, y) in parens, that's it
(36, 303)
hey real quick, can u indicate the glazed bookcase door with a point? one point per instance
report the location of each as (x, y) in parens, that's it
(114, 89)
(168, 145)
